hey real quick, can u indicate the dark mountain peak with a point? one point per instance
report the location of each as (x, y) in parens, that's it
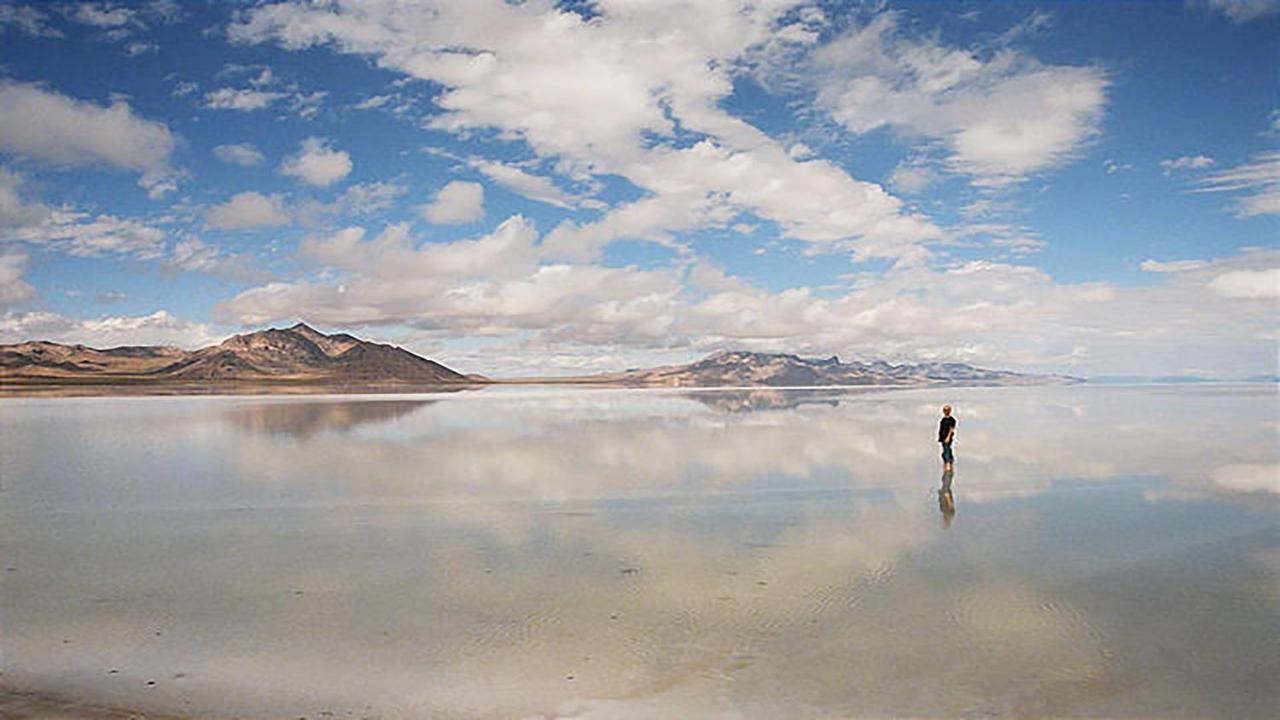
(331, 345)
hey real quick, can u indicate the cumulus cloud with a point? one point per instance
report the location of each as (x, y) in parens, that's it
(1186, 162)
(1258, 284)
(242, 154)
(103, 16)
(30, 20)
(361, 200)
(158, 328)
(83, 235)
(13, 288)
(248, 210)
(492, 285)
(912, 178)
(1000, 116)
(458, 202)
(192, 254)
(243, 99)
(316, 163)
(16, 211)
(369, 198)
(638, 70)
(508, 285)
(1258, 181)
(52, 128)
(263, 90)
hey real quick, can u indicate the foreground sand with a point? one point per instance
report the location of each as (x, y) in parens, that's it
(27, 706)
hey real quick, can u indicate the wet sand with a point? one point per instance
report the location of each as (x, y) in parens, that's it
(30, 706)
(600, 554)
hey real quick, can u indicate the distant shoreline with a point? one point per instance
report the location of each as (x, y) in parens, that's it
(103, 387)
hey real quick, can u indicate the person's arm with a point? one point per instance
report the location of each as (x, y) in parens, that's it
(951, 434)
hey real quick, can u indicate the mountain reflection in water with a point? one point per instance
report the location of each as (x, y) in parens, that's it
(517, 552)
(304, 419)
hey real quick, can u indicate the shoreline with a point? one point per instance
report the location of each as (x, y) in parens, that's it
(95, 388)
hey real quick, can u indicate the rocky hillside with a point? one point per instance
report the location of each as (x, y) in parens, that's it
(749, 369)
(299, 353)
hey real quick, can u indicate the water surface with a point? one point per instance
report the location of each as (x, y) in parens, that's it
(543, 552)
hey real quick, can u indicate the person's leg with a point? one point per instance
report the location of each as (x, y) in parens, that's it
(947, 458)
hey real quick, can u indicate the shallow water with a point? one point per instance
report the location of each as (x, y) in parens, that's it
(543, 552)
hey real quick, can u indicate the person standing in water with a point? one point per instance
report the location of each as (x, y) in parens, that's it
(947, 433)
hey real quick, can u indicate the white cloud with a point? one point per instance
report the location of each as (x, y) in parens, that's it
(135, 49)
(374, 101)
(1001, 116)
(316, 163)
(30, 20)
(360, 200)
(509, 286)
(264, 90)
(1241, 11)
(15, 211)
(457, 202)
(243, 99)
(1186, 162)
(1172, 266)
(82, 235)
(492, 285)
(1114, 166)
(158, 328)
(1255, 284)
(534, 187)
(243, 154)
(1258, 179)
(13, 288)
(52, 128)
(248, 210)
(103, 16)
(800, 151)
(369, 198)
(912, 178)
(636, 69)
(194, 255)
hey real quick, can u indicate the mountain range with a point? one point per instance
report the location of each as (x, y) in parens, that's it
(738, 368)
(297, 354)
(304, 355)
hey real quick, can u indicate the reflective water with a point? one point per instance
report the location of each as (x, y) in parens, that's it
(536, 553)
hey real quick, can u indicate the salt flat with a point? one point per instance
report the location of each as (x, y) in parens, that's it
(546, 552)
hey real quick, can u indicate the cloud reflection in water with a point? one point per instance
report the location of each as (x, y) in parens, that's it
(602, 553)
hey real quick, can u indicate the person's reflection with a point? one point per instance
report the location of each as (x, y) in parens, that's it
(946, 501)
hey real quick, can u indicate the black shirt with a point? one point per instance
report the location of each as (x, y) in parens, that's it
(944, 428)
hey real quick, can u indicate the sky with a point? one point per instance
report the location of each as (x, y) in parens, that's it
(557, 188)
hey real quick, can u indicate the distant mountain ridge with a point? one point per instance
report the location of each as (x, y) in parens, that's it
(299, 354)
(302, 354)
(738, 368)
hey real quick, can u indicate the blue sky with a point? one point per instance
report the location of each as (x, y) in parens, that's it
(559, 187)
